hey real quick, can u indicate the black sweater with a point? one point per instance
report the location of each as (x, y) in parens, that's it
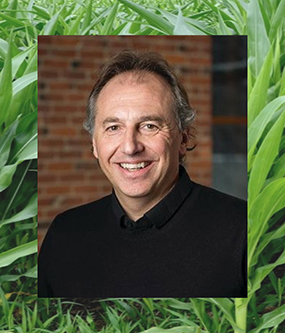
(196, 248)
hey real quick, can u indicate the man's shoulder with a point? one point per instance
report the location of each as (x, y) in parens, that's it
(218, 201)
(84, 214)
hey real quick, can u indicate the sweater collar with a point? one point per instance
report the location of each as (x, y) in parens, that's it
(162, 212)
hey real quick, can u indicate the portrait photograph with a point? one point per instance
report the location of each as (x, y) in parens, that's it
(142, 179)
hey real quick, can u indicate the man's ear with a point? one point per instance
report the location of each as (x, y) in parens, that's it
(95, 152)
(183, 144)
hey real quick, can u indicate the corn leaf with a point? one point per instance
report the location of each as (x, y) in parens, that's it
(269, 202)
(5, 143)
(25, 140)
(51, 26)
(6, 85)
(262, 272)
(87, 17)
(184, 28)
(8, 257)
(24, 81)
(258, 96)
(277, 20)
(181, 329)
(29, 211)
(108, 26)
(31, 273)
(258, 126)
(6, 175)
(258, 43)
(264, 159)
(152, 18)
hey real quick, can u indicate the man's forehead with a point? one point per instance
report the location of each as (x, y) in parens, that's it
(137, 77)
(122, 95)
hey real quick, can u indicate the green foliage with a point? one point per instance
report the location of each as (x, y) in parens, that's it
(18, 188)
(263, 22)
(124, 17)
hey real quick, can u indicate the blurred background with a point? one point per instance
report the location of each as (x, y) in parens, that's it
(213, 71)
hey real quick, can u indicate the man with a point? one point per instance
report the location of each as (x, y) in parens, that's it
(158, 234)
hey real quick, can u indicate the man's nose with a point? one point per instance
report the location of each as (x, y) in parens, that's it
(131, 143)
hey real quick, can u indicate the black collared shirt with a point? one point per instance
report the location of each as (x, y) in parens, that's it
(193, 244)
(160, 213)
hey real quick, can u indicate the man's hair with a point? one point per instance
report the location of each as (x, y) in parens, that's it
(140, 63)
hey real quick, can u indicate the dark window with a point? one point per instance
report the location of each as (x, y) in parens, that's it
(229, 114)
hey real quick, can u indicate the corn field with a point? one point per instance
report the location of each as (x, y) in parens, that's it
(21, 22)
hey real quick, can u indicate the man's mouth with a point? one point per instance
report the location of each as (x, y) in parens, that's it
(134, 167)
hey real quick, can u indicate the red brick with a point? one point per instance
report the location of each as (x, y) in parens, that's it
(64, 131)
(72, 177)
(60, 166)
(58, 190)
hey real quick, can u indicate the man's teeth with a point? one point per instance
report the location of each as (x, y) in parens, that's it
(134, 166)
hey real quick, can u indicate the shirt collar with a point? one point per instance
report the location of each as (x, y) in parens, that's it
(161, 212)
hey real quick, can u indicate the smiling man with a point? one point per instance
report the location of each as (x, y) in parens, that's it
(158, 234)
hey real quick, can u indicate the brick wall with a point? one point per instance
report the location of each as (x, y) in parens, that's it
(68, 65)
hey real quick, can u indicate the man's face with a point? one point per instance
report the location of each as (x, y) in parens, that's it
(136, 138)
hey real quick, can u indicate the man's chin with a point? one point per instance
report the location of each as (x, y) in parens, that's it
(135, 193)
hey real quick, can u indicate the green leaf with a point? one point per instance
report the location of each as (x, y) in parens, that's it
(6, 175)
(264, 159)
(271, 319)
(108, 26)
(184, 28)
(87, 17)
(224, 30)
(266, 239)
(5, 143)
(152, 18)
(50, 27)
(277, 20)
(199, 309)
(261, 272)
(29, 211)
(31, 273)
(181, 329)
(19, 59)
(41, 11)
(269, 202)
(149, 303)
(25, 142)
(227, 307)
(199, 27)
(13, 6)
(24, 25)
(258, 41)
(279, 167)
(29, 151)
(6, 85)
(96, 21)
(257, 98)
(8, 257)
(24, 81)
(217, 10)
(73, 30)
(259, 124)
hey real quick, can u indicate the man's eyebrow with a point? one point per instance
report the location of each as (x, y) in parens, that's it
(158, 119)
(110, 120)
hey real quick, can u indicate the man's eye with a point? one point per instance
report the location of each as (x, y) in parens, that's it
(112, 128)
(150, 127)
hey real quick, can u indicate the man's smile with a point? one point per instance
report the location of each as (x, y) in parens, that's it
(135, 168)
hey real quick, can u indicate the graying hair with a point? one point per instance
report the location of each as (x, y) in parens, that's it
(140, 63)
